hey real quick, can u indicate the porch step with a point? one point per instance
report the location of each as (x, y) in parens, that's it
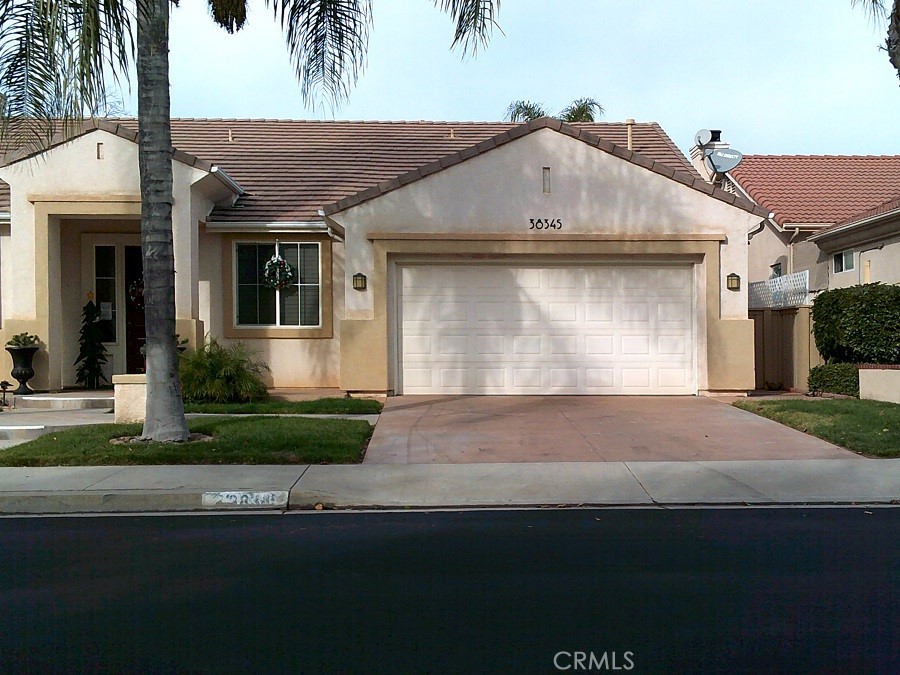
(64, 401)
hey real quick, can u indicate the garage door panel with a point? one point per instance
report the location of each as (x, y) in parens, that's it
(565, 330)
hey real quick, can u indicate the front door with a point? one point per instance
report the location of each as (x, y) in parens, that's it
(112, 274)
(135, 333)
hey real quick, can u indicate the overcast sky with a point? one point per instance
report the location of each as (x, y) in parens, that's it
(777, 76)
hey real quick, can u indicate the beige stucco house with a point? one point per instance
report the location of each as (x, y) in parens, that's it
(806, 195)
(865, 248)
(449, 258)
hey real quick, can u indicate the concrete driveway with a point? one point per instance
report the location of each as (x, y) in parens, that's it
(462, 429)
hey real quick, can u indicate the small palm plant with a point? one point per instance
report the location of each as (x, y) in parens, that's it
(219, 373)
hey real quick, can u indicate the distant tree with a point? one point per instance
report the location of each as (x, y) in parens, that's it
(879, 10)
(524, 111)
(579, 110)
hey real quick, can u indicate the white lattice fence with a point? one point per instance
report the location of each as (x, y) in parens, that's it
(790, 290)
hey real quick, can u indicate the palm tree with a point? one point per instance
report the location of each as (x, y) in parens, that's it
(45, 43)
(878, 10)
(579, 110)
(525, 111)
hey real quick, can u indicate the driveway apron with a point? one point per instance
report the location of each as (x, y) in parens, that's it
(462, 429)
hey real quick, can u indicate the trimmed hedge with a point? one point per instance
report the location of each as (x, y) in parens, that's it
(834, 378)
(859, 324)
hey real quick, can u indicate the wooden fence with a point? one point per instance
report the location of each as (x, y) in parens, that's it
(785, 349)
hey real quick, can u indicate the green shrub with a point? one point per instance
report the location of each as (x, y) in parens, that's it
(859, 324)
(834, 378)
(222, 374)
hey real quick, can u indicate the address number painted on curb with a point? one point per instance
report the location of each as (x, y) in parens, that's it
(271, 498)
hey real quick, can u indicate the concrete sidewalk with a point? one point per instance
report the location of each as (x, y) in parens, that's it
(217, 488)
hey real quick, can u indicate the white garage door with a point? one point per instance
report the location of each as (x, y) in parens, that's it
(597, 329)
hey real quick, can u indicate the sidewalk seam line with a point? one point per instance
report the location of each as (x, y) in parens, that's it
(294, 484)
(114, 473)
(647, 492)
(739, 482)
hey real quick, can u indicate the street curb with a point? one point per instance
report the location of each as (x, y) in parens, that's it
(134, 501)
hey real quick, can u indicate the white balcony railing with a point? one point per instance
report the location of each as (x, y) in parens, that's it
(790, 290)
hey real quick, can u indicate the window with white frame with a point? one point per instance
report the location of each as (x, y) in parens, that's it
(296, 304)
(843, 261)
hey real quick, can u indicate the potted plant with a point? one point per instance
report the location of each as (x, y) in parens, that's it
(22, 348)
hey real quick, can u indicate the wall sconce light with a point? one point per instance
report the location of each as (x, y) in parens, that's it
(733, 282)
(359, 281)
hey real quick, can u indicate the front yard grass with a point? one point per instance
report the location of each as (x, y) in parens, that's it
(870, 428)
(245, 440)
(319, 406)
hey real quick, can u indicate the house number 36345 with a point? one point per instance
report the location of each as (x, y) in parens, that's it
(545, 223)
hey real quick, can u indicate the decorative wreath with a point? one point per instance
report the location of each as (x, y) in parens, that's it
(136, 292)
(277, 272)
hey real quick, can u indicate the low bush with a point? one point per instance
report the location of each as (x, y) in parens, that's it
(834, 378)
(222, 374)
(859, 324)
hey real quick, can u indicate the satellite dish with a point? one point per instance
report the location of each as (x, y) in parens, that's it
(702, 137)
(723, 160)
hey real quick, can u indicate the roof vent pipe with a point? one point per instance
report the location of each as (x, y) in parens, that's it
(629, 124)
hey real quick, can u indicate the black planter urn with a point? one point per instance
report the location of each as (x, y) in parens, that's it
(23, 367)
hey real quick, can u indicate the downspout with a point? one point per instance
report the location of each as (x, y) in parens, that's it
(760, 227)
(791, 250)
(859, 270)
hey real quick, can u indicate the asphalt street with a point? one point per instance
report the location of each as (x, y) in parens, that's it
(712, 590)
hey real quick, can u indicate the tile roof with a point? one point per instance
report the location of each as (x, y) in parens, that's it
(579, 132)
(885, 207)
(823, 189)
(292, 168)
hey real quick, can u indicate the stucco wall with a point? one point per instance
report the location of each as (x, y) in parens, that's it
(294, 362)
(94, 175)
(767, 248)
(494, 195)
(884, 265)
(807, 256)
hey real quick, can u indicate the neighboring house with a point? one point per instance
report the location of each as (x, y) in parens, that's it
(864, 248)
(807, 194)
(432, 257)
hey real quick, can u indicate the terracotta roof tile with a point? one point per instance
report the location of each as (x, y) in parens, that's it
(292, 168)
(819, 188)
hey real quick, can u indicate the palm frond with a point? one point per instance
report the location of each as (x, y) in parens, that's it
(581, 110)
(229, 14)
(327, 42)
(55, 61)
(524, 111)
(475, 21)
(878, 11)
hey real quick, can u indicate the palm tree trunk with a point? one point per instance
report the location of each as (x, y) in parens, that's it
(893, 37)
(165, 409)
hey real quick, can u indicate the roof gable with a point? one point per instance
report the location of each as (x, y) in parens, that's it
(90, 126)
(818, 189)
(689, 179)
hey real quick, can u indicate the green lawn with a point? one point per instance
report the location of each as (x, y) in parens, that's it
(868, 427)
(320, 406)
(249, 440)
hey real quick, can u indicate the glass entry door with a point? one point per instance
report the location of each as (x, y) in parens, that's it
(112, 273)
